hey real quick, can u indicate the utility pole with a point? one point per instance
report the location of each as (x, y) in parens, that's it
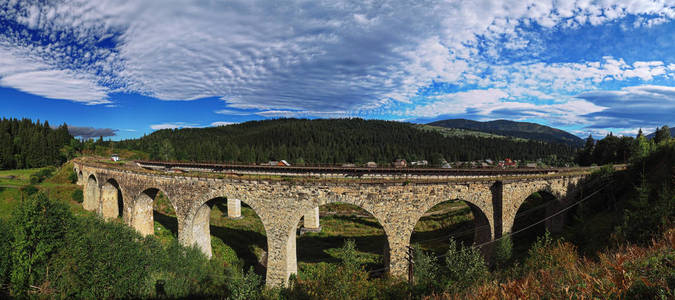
(411, 267)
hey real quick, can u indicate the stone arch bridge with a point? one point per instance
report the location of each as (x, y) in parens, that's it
(397, 200)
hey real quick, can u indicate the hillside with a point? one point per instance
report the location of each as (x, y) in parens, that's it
(457, 132)
(333, 141)
(514, 129)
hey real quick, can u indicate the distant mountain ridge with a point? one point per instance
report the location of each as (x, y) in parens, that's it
(525, 130)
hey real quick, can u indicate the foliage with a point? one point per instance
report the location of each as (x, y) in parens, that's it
(331, 141)
(72, 177)
(5, 251)
(548, 254)
(503, 252)
(244, 286)
(464, 267)
(29, 190)
(40, 176)
(651, 202)
(515, 129)
(426, 272)
(630, 272)
(39, 227)
(347, 280)
(28, 144)
(77, 196)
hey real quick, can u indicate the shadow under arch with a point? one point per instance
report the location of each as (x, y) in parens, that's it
(112, 202)
(527, 223)
(215, 233)
(462, 220)
(342, 221)
(91, 194)
(150, 205)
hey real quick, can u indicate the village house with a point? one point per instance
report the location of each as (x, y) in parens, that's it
(400, 163)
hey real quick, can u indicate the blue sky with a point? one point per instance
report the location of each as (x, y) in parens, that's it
(126, 68)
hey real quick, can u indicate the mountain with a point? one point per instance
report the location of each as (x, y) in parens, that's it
(334, 141)
(672, 133)
(525, 130)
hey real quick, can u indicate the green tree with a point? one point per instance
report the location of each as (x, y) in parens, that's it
(465, 267)
(662, 135)
(39, 226)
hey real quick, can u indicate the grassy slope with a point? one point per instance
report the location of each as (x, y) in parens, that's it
(457, 132)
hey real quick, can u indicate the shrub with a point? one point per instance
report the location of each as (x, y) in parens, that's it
(185, 272)
(39, 227)
(464, 267)
(503, 252)
(549, 255)
(102, 260)
(29, 190)
(347, 280)
(244, 286)
(72, 177)
(77, 196)
(5, 250)
(426, 272)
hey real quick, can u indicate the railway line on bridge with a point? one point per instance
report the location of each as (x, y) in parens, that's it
(357, 172)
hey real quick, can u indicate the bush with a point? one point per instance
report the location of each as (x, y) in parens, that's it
(39, 227)
(102, 260)
(5, 251)
(29, 190)
(244, 286)
(77, 196)
(72, 177)
(465, 267)
(503, 252)
(347, 280)
(426, 272)
(550, 255)
(41, 175)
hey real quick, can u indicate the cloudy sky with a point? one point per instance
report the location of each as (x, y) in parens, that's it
(126, 68)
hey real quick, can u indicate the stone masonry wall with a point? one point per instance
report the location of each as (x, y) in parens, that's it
(281, 205)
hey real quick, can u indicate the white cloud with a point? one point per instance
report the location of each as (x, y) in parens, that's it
(222, 123)
(173, 125)
(21, 68)
(306, 58)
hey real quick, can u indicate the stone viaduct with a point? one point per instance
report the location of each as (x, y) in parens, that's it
(114, 190)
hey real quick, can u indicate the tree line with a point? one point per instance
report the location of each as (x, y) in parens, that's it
(333, 141)
(613, 149)
(28, 144)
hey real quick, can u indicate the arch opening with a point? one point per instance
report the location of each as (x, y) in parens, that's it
(535, 208)
(458, 219)
(341, 222)
(231, 230)
(112, 203)
(154, 214)
(91, 194)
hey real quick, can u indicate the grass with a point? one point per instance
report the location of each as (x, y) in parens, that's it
(18, 177)
(456, 132)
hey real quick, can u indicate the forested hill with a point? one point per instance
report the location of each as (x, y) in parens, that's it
(28, 144)
(515, 129)
(332, 141)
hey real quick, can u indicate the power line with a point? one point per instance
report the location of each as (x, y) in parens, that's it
(538, 222)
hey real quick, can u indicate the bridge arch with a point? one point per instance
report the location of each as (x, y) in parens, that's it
(92, 193)
(456, 218)
(515, 195)
(142, 218)
(372, 237)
